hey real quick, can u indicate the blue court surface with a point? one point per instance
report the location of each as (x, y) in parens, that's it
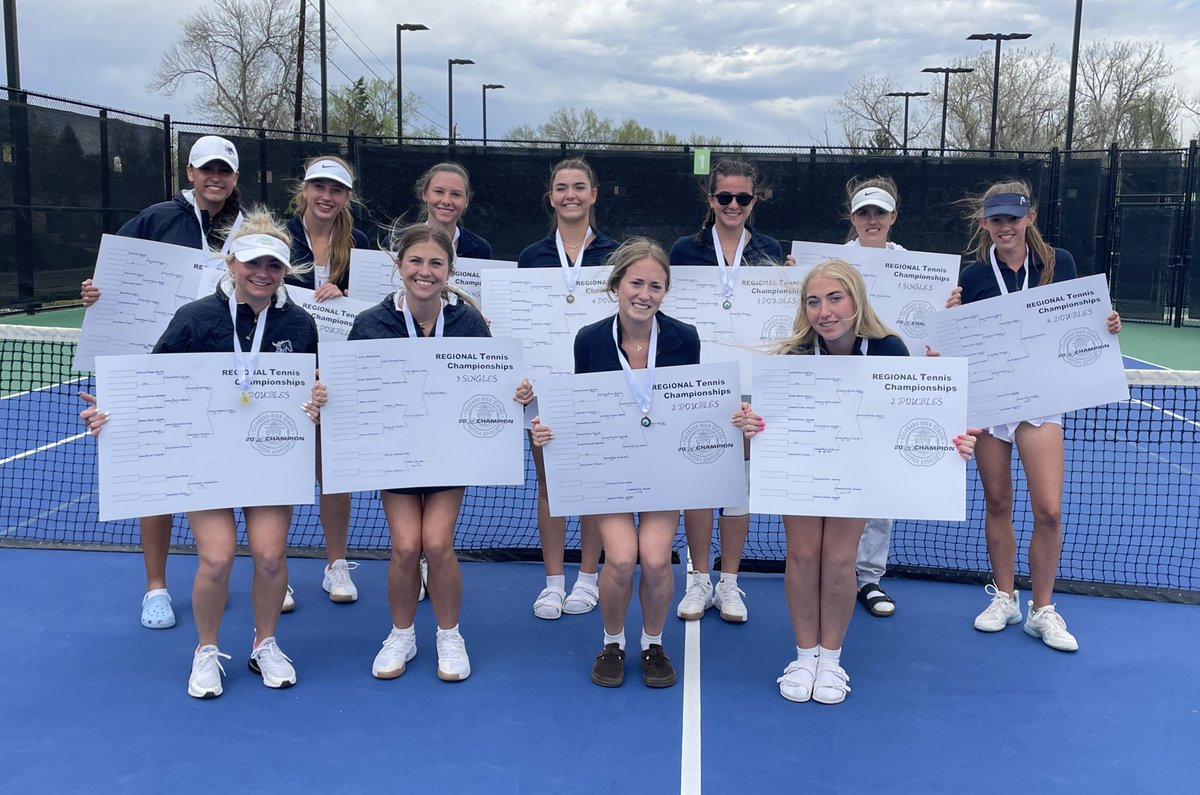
(93, 702)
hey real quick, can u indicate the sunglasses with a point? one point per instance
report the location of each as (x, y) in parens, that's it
(724, 198)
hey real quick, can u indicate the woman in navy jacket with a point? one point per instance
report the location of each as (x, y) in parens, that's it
(834, 318)
(573, 242)
(323, 234)
(726, 239)
(421, 520)
(639, 281)
(253, 291)
(445, 193)
(193, 218)
(1010, 256)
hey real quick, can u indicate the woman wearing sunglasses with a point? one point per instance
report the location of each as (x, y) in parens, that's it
(726, 239)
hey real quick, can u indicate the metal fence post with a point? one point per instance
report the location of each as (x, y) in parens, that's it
(168, 159)
(1183, 249)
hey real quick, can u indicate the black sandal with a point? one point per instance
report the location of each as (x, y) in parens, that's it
(872, 596)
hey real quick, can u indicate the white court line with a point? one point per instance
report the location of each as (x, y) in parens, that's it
(690, 759)
(6, 531)
(41, 449)
(44, 388)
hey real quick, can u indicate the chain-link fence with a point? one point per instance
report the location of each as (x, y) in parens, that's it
(71, 171)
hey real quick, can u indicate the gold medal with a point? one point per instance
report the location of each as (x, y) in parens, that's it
(570, 298)
(245, 399)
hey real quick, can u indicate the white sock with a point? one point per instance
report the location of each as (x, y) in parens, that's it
(444, 632)
(156, 592)
(701, 576)
(833, 656)
(807, 654)
(648, 639)
(556, 581)
(407, 632)
(588, 579)
(731, 578)
(618, 639)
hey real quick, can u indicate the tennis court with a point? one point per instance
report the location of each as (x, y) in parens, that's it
(96, 702)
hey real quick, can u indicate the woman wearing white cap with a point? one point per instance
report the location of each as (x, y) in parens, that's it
(195, 218)
(874, 204)
(250, 305)
(323, 233)
(1010, 256)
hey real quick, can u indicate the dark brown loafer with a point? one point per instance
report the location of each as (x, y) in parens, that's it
(609, 668)
(657, 670)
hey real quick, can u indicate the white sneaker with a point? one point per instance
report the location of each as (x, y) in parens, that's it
(337, 582)
(1048, 625)
(727, 599)
(797, 681)
(205, 681)
(275, 667)
(424, 579)
(697, 598)
(1002, 612)
(583, 599)
(549, 603)
(398, 648)
(832, 683)
(453, 664)
(289, 601)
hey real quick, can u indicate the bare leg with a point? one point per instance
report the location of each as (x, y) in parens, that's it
(266, 530)
(1041, 450)
(994, 459)
(616, 581)
(655, 535)
(437, 541)
(404, 514)
(733, 531)
(802, 578)
(839, 549)
(552, 529)
(156, 543)
(698, 527)
(216, 545)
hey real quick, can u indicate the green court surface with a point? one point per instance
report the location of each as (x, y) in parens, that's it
(55, 318)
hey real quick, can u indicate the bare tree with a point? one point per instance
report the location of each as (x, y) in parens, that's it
(1125, 96)
(588, 129)
(241, 57)
(868, 116)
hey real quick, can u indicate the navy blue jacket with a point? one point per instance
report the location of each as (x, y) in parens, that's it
(301, 254)
(385, 321)
(978, 281)
(204, 326)
(595, 352)
(890, 345)
(544, 253)
(472, 245)
(760, 250)
(171, 221)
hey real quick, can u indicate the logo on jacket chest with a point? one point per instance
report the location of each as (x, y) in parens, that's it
(283, 346)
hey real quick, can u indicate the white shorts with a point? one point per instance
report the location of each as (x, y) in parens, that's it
(1007, 432)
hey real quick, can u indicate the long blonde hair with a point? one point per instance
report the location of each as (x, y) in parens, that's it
(981, 241)
(342, 238)
(867, 323)
(259, 221)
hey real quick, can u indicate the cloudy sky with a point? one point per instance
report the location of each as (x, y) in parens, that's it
(756, 71)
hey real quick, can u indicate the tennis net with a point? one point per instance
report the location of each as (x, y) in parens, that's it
(1130, 507)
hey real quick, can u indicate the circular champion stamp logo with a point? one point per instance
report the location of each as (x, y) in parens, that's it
(1080, 347)
(922, 442)
(273, 433)
(777, 327)
(913, 316)
(483, 416)
(703, 442)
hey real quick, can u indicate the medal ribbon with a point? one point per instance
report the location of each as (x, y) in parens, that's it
(1000, 278)
(246, 378)
(570, 270)
(642, 389)
(728, 273)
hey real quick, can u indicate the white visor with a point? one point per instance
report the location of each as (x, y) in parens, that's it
(250, 247)
(873, 197)
(329, 169)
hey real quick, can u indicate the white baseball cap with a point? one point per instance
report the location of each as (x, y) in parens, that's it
(213, 147)
(329, 169)
(250, 247)
(873, 197)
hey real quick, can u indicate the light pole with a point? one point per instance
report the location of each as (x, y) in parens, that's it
(907, 96)
(450, 64)
(487, 87)
(1074, 74)
(399, 82)
(947, 71)
(999, 38)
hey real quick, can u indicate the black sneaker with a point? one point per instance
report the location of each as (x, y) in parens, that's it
(657, 670)
(609, 668)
